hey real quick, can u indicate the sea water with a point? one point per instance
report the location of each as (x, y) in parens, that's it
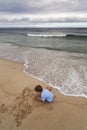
(57, 56)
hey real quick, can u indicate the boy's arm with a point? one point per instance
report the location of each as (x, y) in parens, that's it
(37, 97)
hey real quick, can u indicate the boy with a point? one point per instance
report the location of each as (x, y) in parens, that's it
(43, 94)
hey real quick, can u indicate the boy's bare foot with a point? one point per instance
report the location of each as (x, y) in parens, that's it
(49, 88)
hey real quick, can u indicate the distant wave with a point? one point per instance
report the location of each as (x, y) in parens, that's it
(46, 35)
(71, 35)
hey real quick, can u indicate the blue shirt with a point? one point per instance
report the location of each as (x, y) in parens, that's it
(46, 95)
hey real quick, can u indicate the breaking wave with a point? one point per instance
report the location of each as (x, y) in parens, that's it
(71, 35)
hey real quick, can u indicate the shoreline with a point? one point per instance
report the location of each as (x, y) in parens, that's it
(20, 112)
(54, 87)
(49, 84)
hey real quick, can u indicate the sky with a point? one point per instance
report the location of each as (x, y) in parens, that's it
(43, 13)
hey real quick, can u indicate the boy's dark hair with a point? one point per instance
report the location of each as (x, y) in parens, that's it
(38, 88)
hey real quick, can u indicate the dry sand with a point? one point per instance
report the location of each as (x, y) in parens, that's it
(18, 111)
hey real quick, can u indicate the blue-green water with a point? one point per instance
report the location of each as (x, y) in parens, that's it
(71, 40)
(58, 56)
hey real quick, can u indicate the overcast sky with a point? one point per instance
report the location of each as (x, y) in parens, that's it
(42, 12)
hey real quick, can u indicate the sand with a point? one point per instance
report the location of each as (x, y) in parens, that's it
(19, 111)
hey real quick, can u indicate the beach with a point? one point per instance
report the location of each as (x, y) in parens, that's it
(19, 111)
(57, 56)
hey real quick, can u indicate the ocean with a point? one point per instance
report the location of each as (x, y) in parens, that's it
(57, 56)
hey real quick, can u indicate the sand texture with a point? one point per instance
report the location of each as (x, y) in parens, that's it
(19, 111)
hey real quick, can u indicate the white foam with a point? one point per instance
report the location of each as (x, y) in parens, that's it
(73, 83)
(54, 70)
(46, 35)
(61, 70)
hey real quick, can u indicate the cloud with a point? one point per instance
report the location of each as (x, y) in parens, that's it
(42, 11)
(12, 7)
(42, 7)
(43, 19)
